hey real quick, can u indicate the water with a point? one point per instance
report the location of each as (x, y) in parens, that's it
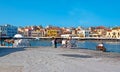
(113, 46)
(42, 43)
(110, 46)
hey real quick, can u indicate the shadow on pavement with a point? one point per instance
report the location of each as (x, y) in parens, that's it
(6, 51)
(77, 55)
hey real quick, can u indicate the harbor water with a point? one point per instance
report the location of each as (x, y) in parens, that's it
(111, 46)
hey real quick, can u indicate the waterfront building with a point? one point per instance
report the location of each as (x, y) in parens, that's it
(74, 31)
(101, 31)
(70, 30)
(21, 30)
(42, 32)
(8, 30)
(26, 32)
(66, 31)
(32, 31)
(113, 33)
(80, 28)
(38, 33)
(53, 32)
(83, 33)
(91, 29)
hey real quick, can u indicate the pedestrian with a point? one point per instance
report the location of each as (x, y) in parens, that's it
(54, 42)
(69, 42)
(64, 43)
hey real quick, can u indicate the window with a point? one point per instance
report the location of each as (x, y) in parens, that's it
(113, 33)
(118, 34)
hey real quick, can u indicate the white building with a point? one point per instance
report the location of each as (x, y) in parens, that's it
(8, 30)
(83, 33)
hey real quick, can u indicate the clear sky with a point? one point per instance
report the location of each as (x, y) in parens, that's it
(63, 13)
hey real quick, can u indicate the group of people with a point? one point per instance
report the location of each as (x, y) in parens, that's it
(71, 43)
(65, 43)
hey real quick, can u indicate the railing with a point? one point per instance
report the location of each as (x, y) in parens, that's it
(78, 38)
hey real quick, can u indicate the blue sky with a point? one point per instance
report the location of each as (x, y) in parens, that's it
(63, 13)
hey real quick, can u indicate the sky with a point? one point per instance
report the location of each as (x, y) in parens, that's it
(63, 13)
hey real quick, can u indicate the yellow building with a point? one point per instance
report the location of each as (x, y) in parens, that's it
(53, 32)
(114, 33)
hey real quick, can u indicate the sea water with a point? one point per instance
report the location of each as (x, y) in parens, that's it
(111, 46)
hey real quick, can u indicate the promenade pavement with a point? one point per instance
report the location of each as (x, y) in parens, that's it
(47, 59)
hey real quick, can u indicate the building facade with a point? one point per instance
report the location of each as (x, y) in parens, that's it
(8, 30)
(83, 33)
(114, 33)
(38, 33)
(53, 32)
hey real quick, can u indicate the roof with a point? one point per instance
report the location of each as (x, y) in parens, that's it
(53, 29)
(100, 27)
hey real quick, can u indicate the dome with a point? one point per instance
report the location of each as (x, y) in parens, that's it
(18, 36)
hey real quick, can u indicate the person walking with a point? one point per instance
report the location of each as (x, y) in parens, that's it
(69, 44)
(64, 43)
(54, 42)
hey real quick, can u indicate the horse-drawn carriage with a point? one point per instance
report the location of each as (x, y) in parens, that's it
(101, 47)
